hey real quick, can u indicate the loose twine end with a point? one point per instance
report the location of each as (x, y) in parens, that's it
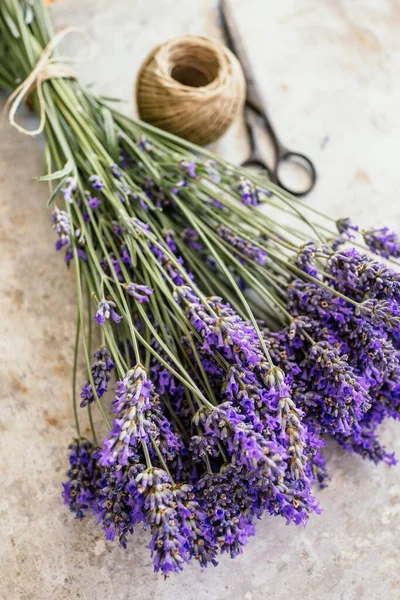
(46, 68)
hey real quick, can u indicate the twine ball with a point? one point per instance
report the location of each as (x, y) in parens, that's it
(192, 87)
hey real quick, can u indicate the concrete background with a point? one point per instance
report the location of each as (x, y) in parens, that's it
(329, 70)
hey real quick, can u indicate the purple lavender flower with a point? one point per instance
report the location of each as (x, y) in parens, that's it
(84, 475)
(116, 172)
(94, 203)
(119, 506)
(125, 256)
(138, 291)
(194, 525)
(60, 221)
(248, 192)
(230, 507)
(245, 247)
(211, 170)
(290, 418)
(188, 167)
(382, 313)
(383, 241)
(139, 420)
(106, 310)
(227, 331)
(155, 193)
(69, 190)
(177, 187)
(178, 526)
(364, 440)
(306, 259)
(96, 182)
(133, 398)
(345, 227)
(250, 448)
(168, 543)
(355, 274)
(101, 373)
(318, 469)
(337, 395)
(70, 255)
(144, 144)
(192, 239)
(172, 270)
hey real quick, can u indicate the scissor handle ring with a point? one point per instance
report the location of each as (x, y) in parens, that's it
(304, 162)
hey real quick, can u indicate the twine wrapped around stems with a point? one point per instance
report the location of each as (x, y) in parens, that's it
(46, 68)
(191, 86)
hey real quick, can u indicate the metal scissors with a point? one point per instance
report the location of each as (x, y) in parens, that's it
(256, 112)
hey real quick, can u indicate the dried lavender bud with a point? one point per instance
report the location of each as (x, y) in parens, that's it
(116, 172)
(191, 238)
(101, 373)
(140, 292)
(80, 490)
(188, 168)
(382, 313)
(139, 420)
(318, 469)
(119, 505)
(94, 203)
(355, 274)
(145, 144)
(345, 227)
(60, 221)
(336, 395)
(69, 190)
(230, 509)
(290, 418)
(248, 192)
(305, 259)
(383, 241)
(242, 245)
(169, 542)
(106, 310)
(96, 182)
(364, 440)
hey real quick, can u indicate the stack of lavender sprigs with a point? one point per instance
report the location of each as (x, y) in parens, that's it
(240, 338)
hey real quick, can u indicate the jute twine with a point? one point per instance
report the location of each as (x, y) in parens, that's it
(191, 86)
(47, 67)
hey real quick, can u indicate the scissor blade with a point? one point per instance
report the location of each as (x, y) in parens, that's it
(235, 43)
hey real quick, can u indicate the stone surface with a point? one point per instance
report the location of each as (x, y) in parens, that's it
(330, 73)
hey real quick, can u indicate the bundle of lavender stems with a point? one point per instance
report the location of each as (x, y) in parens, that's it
(233, 341)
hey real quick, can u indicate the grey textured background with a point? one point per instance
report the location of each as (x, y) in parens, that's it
(329, 69)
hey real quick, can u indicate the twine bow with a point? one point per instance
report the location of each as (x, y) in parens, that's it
(46, 68)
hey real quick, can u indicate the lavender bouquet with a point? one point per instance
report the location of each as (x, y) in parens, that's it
(240, 338)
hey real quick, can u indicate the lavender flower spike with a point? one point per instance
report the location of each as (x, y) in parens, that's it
(139, 420)
(168, 543)
(60, 221)
(383, 241)
(94, 203)
(101, 371)
(105, 310)
(140, 292)
(345, 226)
(248, 192)
(188, 167)
(96, 182)
(69, 190)
(381, 313)
(84, 476)
(246, 248)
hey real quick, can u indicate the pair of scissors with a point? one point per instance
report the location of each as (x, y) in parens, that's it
(255, 113)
